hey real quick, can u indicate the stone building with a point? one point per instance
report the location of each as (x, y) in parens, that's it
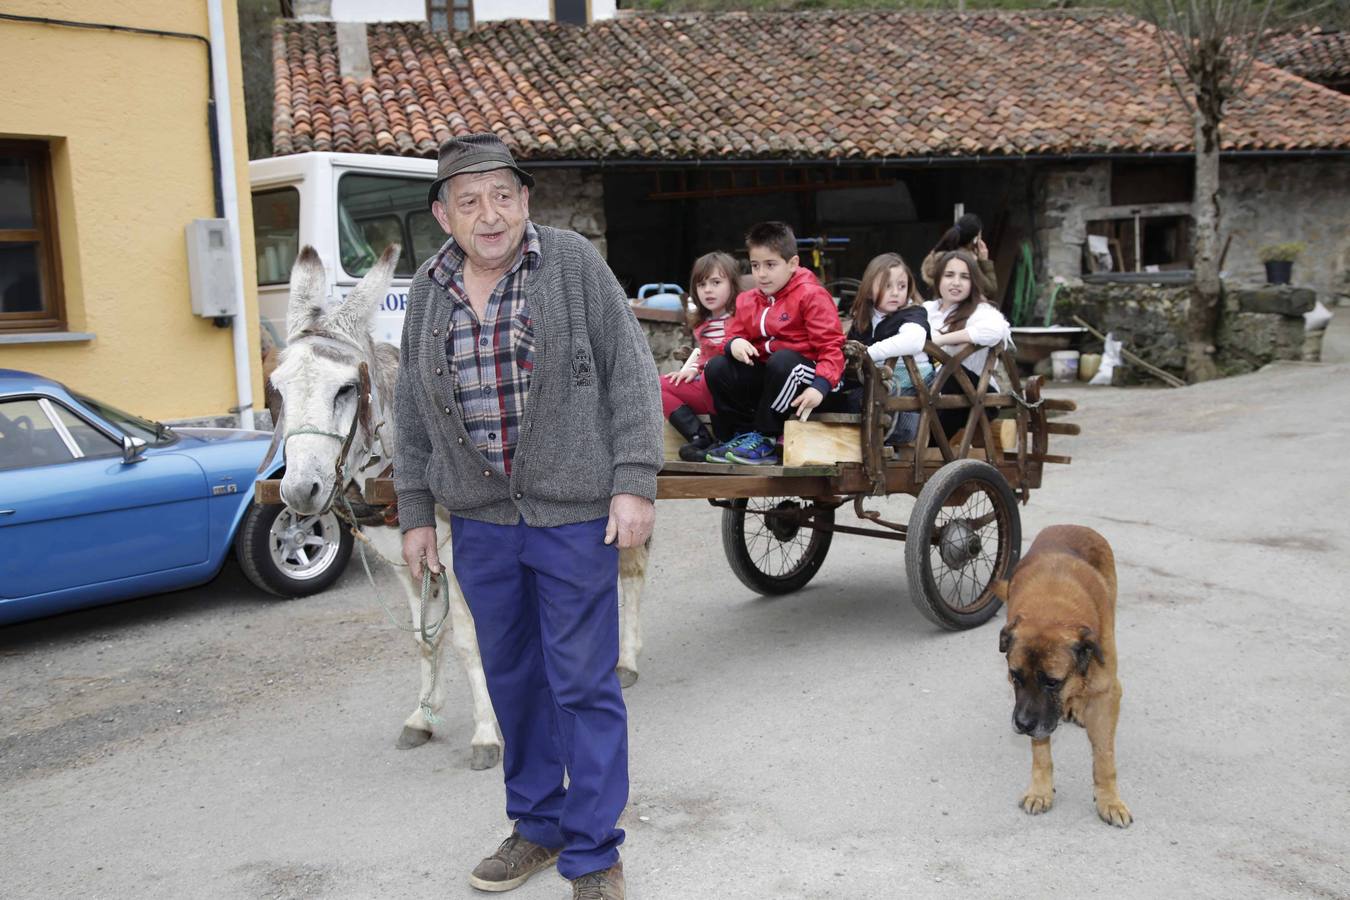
(663, 137)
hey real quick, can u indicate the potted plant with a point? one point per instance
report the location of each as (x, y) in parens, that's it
(1279, 260)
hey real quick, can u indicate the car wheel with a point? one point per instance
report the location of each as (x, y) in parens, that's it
(291, 555)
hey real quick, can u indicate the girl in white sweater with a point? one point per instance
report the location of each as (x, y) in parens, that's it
(889, 317)
(960, 315)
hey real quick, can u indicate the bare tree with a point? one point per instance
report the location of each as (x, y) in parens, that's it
(1209, 47)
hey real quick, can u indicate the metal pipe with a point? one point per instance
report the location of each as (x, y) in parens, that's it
(243, 377)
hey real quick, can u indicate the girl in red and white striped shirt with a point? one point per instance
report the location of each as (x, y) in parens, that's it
(684, 394)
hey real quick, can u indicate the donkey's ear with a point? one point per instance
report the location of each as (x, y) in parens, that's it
(352, 318)
(307, 292)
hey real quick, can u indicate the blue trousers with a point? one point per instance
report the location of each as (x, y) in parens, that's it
(546, 608)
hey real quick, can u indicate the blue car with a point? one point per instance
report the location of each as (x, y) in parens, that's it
(97, 505)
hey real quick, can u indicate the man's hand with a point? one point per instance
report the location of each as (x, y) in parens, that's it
(420, 544)
(806, 401)
(682, 376)
(743, 350)
(630, 520)
(981, 250)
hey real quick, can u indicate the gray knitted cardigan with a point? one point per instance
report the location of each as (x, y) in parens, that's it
(592, 426)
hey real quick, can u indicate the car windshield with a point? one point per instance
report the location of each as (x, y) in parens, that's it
(145, 429)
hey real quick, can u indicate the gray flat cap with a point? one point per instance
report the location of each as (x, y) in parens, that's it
(473, 153)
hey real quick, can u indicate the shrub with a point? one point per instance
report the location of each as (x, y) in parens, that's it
(1281, 252)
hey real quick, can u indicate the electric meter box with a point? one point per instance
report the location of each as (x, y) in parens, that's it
(211, 268)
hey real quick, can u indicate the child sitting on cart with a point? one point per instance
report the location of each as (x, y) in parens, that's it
(684, 394)
(959, 315)
(784, 352)
(889, 317)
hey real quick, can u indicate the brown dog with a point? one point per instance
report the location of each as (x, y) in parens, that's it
(1061, 646)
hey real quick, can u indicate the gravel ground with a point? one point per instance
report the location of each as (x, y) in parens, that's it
(212, 743)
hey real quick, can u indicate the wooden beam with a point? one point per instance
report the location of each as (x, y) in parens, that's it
(706, 468)
(728, 487)
(1148, 210)
(267, 491)
(380, 491)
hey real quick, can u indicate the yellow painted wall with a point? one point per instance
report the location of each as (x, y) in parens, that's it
(126, 115)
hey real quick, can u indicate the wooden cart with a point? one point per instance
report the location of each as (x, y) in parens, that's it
(964, 532)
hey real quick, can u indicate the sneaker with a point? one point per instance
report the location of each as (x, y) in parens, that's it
(718, 452)
(606, 884)
(512, 865)
(756, 450)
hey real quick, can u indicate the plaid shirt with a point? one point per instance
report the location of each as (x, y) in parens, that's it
(492, 359)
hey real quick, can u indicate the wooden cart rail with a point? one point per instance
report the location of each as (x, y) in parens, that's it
(882, 471)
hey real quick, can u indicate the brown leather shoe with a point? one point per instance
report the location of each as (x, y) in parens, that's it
(607, 884)
(512, 865)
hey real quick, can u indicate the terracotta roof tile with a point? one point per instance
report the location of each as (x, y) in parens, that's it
(1317, 54)
(817, 85)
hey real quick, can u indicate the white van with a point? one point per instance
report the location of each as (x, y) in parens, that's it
(349, 207)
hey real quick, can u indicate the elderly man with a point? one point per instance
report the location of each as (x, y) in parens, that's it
(528, 406)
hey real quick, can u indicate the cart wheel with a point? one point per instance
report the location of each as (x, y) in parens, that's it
(768, 548)
(964, 534)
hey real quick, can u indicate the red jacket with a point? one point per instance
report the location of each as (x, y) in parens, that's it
(802, 317)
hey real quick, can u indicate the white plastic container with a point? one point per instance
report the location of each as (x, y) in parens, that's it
(1064, 365)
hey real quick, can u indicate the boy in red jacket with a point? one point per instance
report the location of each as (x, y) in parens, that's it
(783, 356)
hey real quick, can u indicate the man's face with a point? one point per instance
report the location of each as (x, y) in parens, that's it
(771, 271)
(486, 214)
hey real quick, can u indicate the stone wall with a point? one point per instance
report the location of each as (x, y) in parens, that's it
(570, 198)
(1257, 325)
(1150, 319)
(1061, 194)
(1263, 202)
(1272, 201)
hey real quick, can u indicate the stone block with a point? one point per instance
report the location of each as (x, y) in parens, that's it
(1282, 300)
(1247, 340)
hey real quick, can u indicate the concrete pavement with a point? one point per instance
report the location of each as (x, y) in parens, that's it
(828, 744)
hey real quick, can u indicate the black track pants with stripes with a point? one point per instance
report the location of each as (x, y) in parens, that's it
(756, 397)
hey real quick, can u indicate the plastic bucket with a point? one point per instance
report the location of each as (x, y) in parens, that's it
(1064, 365)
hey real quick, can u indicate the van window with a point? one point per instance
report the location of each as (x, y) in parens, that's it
(375, 211)
(276, 233)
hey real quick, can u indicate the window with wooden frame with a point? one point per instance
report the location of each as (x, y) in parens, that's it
(30, 260)
(450, 15)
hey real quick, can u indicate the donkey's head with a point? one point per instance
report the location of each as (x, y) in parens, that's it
(319, 377)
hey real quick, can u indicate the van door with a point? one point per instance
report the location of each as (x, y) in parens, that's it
(376, 210)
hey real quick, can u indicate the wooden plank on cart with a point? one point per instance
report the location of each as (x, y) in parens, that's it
(267, 491)
(728, 487)
(820, 443)
(704, 468)
(380, 491)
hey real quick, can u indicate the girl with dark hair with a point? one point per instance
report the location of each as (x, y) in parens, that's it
(889, 317)
(961, 315)
(713, 287)
(966, 234)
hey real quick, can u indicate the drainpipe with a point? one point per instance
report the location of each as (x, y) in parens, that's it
(243, 379)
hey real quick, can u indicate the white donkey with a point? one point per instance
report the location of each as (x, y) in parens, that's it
(320, 378)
